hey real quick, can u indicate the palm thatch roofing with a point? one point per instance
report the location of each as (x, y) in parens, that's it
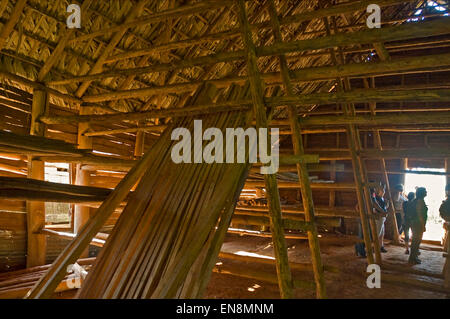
(154, 49)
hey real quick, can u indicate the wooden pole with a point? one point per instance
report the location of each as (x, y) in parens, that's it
(393, 33)
(353, 142)
(9, 26)
(350, 7)
(139, 144)
(135, 12)
(36, 243)
(302, 170)
(82, 212)
(385, 178)
(353, 96)
(273, 197)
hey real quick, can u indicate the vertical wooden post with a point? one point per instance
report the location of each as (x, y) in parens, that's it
(36, 243)
(302, 170)
(273, 196)
(385, 176)
(82, 213)
(362, 193)
(139, 144)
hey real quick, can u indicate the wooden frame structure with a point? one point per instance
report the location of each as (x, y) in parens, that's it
(314, 71)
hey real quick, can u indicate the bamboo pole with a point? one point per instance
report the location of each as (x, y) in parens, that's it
(256, 85)
(36, 243)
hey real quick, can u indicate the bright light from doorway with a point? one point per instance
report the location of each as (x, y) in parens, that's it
(435, 185)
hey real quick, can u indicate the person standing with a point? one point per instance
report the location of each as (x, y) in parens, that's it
(380, 211)
(398, 199)
(418, 222)
(444, 210)
(407, 218)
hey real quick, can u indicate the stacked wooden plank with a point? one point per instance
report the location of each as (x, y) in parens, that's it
(16, 284)
(168, 237)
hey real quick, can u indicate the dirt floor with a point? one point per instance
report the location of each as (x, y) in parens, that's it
(348, 282)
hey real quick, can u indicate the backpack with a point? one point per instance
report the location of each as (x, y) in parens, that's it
(445, 210)
(411, 211)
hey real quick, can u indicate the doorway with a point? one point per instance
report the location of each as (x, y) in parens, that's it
(435, 185)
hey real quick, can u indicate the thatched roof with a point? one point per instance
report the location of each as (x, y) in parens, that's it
(42, 27)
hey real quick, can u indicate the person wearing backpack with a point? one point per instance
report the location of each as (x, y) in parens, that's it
(418, 221)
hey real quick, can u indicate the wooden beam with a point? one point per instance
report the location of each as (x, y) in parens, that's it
(378, 120)
(35, 144)
(36, 243)
(136, 11)
(273, 197)
(397, 66)
(62, 43)
(157, 17)
(82, 212)
(296, 18)
(354, 70)
(298, 212)
(35, 85)
(393, 33)
(13, 18)
(302, 169)
(358, 169)
(33, 189)
(354, 96)
(296, 185)
(401, 32)
(406, 153)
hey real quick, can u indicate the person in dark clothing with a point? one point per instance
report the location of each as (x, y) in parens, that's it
(406, 219)
(444, 210)
(418, 217)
